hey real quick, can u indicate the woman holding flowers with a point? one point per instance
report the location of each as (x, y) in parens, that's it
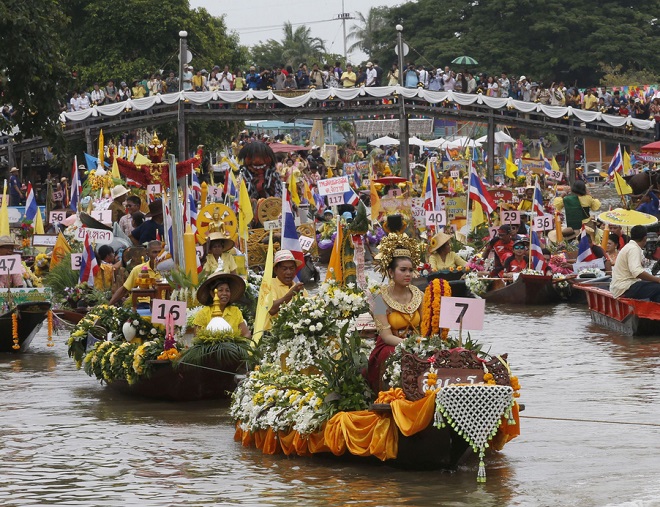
(229, 289)
(397, 308)
(441, 257)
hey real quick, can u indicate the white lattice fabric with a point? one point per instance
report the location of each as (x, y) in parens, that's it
(475, 412)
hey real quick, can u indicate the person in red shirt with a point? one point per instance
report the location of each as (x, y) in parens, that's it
(502, 245)
(518, 261)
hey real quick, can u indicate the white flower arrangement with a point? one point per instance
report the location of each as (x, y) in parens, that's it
(598, 273)
(466, 253)
(532, 272)
(418, 345)
(475, 284)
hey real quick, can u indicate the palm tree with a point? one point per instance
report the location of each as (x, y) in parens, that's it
(363, 33)
(299, 46)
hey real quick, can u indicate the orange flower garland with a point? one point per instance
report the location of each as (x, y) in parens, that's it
(50, 329)
(434, 292)
(14, 331)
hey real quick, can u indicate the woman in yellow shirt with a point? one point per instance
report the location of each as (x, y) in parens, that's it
(441, 257)
(230, 288)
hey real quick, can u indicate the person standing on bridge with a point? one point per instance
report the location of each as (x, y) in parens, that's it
(348, 78)
(15, 193)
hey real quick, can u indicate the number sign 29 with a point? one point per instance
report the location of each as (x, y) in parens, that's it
(510, 217)
(10, 264)
(161, 308)
(469, 311)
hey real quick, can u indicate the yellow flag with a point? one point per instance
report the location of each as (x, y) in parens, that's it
(101, 165)
(627, 164)
(140, 160)
(329, 173)
(375, 201)
(4, 213)
(554, 164)
(622, 187)
(511, 168)
(335, 266)
(60, 250)
(39, 228)
(245, 213)
(308, 194)
(293, 188)
(115, 169)
(477, 215)
(262, 319)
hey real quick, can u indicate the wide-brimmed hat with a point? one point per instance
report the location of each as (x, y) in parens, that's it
(6, 241)
(118, 191)
(227, 242)
(91, 222)
(155, 208)
(14, 170)
(438, 240)
(285, 255)
(235, 282)
(567, 232)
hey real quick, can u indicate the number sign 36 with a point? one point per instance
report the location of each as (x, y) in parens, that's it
(161, 308)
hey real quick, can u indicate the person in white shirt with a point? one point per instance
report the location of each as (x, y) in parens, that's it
(423, 76)
(226, 79)
(629, 278)
(75, 102)
(505, 85)
(371, 75)
(98, 95)
(84, 101)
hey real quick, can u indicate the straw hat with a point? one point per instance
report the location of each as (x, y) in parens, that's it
(6, 241)
(227, 242)
(118, 191)
(285, 255)
(13, 170)
(155, 208)
(567, 232)
(438, 240)
(235, 282)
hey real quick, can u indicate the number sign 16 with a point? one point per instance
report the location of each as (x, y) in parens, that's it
(161, 308)
(437, 218)
(11, 264)
(462, 313)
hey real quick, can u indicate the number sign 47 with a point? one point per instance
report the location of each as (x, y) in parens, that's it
(10, 264)
(161, 308)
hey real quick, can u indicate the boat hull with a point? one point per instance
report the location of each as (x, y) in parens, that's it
(30, 317)
(211, 380)
(526, 290)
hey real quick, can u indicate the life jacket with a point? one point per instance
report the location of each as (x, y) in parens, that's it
(575, 212)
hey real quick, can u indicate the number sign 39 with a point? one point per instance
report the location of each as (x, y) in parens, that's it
(10, 264)
(161, 308)
(469, 311)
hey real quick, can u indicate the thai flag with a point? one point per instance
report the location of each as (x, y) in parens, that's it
(430, 189)
(584, 250)
(547, 166)
(538, 261)
(290, 239)
(192, 212)
(231, 190)
(76, 188)
(88, 266)
(479, 193)
(538, 200)
(196, 186)
(31, 208)
(357, 178)
(445, 155)
(616, 165)
(351, 197)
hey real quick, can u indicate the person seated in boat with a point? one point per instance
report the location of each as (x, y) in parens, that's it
(230, 288)
(596, 249)
(618, 231)
(523, 227)
(629, 278)
(283, 286)
(649, 204)
(502, 245)
(612, 250)
(397, 308)
(150, 229)
(220, 248)
(527, 200)
(110, 271)
(7, 247)
(518, 261)
(568, 235)
(577, 205)
(441, 257)
(154, 248)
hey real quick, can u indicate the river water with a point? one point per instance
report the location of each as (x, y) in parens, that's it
(67, 440)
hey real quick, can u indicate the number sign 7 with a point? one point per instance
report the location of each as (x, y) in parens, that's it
(468, 311)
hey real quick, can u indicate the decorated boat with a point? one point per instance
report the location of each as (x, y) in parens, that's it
(443, 401)
(527, 289)
(25, 310)
(623, 315)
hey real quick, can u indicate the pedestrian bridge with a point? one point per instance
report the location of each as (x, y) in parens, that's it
(347, 103)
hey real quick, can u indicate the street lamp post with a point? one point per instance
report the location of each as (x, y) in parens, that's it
(403, 118)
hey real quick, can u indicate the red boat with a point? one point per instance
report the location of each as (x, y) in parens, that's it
(626, 316)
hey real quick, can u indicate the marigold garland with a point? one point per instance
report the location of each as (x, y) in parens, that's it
(50, 329)
(433, 294)
(14, 331)
(169, 354)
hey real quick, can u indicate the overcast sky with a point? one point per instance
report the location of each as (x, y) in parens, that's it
(259, 20)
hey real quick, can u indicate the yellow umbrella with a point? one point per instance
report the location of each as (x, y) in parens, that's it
(626, 218)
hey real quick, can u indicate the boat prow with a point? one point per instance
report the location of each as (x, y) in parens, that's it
(29, 317)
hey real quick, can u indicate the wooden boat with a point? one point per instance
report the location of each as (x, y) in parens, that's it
(187, 382)
(627, 316)
(526, 290)
(70, 316)
(30, 317)
(458, 287)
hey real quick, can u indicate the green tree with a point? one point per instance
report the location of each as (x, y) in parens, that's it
(363, 34)
(32, 71)
(296, 47)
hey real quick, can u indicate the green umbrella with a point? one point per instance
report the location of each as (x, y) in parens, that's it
(465, 60)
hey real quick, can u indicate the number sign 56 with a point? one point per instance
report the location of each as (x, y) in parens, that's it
(161, 308)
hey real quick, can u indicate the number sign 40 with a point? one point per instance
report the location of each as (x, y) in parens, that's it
(161, 308)
(437, 218)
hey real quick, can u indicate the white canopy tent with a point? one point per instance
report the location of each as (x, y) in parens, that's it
(385, 141)
(416, 141)
(500, 137)
(436, 143)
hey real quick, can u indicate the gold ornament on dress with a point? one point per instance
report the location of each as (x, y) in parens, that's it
(411, 307)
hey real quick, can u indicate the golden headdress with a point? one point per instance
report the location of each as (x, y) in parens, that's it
(397, 245)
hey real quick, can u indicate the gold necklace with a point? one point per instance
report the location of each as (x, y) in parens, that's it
(410, 307)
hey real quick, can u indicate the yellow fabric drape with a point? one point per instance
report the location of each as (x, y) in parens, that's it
(413, 416)
(362, 433)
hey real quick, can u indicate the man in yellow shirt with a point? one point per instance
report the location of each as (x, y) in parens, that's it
(348, 78)
(153, 250)
(590, 101)
(283, 288)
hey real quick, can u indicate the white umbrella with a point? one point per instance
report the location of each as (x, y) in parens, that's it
(500, 137)
(416, 141)
(436, 143)
(385, 141)
(462, 143)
